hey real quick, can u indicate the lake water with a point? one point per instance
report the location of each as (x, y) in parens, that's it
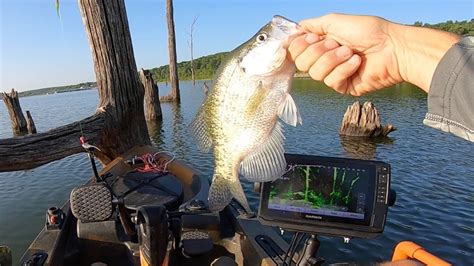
(432, 171)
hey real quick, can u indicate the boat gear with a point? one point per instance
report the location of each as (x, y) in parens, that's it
(54, 218)
(170, 217)
(409, 250)
(90, 152)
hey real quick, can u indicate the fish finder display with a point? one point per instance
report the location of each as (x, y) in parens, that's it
(328, 196)
(318, 191)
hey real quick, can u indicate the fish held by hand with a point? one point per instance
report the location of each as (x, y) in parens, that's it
(239, 119)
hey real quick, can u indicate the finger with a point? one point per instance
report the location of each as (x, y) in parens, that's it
(313, 52)
(300, 43)
(328, 61)
(339, 77)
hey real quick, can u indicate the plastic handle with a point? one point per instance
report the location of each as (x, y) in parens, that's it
(409, 250)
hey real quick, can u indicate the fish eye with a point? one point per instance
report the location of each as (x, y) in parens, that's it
(262, 37)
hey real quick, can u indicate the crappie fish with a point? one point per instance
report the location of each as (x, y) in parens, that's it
(239, 117)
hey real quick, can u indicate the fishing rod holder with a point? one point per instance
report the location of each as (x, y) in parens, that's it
(90, 152)
(309, 251)
(54, 218)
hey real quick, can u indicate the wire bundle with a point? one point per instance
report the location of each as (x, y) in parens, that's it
(152, 164)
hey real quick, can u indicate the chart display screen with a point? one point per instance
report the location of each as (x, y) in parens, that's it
(328, 195)
(318, 191)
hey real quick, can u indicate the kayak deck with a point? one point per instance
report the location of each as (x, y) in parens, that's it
(235, 237)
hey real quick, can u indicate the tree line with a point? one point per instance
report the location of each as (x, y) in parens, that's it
(206, 66)
(465, 27)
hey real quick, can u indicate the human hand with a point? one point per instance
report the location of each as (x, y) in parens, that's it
(361, 54)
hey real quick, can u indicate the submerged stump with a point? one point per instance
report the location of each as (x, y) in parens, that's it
(5, 255)
(363, 121)
(152, 99)
(17, 118)
(30, 124)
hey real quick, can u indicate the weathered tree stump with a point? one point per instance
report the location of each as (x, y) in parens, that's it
(30, 124)
(363, 121)
(173, 65)
(152, 99)
(167, 98)
(17, 118)
(5, 256)
(119, 122)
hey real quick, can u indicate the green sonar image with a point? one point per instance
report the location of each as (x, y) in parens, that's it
(321, 187)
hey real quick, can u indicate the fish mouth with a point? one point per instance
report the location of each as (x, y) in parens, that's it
(285, 25)
(285, 29)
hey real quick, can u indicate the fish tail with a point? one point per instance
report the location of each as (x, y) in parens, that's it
(222, 191)
(220, 194)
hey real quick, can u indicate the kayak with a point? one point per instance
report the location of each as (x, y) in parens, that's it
(193, 236)
(148, 208)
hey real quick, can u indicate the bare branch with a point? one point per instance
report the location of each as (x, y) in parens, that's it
(31, 151)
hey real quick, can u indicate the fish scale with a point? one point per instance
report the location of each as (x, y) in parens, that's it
(239, 119)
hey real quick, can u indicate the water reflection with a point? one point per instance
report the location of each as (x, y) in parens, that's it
(178, 127)
(431, 170)
(155, 131)
(362, 148)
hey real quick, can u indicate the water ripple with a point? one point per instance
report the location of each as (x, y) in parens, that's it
(432, 171)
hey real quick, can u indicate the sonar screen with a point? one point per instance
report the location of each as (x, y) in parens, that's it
(332, 196)
(321, 191)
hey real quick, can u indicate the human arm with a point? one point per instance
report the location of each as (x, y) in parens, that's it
(451, 95)
(360, 54)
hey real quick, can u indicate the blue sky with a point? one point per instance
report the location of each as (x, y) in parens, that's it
(37, 51)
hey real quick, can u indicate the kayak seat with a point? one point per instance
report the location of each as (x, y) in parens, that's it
(147, 189)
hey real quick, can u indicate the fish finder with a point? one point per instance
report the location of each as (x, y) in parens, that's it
(328, 196)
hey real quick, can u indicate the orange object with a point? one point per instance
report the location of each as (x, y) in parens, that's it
(409, 250)
(143, 261)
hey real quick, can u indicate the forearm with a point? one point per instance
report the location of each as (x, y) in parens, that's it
(418, 51)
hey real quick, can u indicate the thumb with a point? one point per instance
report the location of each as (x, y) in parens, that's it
(318, 25)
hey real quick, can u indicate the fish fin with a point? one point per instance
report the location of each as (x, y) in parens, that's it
(220, 194)
(200, 132)
(222, 191)
(288, 112)
(255, 100)
(267, 162)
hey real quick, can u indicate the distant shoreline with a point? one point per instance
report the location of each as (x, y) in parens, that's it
(93, 85)
(61, 89)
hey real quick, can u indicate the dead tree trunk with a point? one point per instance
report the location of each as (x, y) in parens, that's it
(191, 49)
(174, 82)
(119, 122)
(363, 121)
(152, 99)
(17, 118)
(30, 124)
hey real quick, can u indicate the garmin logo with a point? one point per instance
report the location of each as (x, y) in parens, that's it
(315, 217)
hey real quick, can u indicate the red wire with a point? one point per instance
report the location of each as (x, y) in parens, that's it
(150, 164)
